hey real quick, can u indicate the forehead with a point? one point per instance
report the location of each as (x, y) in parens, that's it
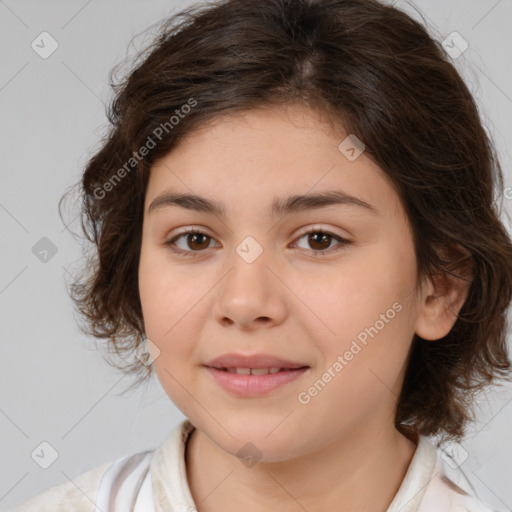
(254, 157)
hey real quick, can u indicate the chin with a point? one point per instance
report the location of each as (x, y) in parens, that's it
(253, 442)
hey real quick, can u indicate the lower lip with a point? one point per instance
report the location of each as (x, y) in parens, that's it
(254, 385)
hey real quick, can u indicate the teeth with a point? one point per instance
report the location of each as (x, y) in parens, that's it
(264, 371)
(253, 371)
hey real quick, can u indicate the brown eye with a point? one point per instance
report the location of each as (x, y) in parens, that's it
(195, 242)
(320, 241)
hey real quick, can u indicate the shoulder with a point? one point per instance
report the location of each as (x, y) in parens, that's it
(450, 489)
(78, 495)
(471, 504)
(464, 497)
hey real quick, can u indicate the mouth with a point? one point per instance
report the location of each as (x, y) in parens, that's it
(255, 382)
(253, 375)
(246, 363)
(258, 371)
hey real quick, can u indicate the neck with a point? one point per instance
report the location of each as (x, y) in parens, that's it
(360, 472)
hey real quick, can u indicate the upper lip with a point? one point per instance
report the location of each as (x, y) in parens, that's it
(251, 361)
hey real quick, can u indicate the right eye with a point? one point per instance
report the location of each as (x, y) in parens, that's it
(192, 236)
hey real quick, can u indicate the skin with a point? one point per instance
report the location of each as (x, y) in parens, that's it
(341, 450)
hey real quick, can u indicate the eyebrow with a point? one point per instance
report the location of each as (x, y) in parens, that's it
(279, 206)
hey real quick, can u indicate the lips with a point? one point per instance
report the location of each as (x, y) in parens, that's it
(256, 375)
(253, 386)
(234, 361)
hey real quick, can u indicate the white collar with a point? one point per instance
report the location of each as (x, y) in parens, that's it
(169, 474)
(429, 484)
(417, 478)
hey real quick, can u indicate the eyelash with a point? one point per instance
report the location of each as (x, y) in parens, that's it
(171, 243)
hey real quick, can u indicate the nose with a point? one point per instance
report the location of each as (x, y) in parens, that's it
(250, 296)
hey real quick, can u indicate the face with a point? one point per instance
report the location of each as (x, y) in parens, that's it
(330, 286)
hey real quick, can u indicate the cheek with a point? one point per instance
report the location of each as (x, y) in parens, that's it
(363, 363)
(363, 311)
(172, 307)
(168, 311)
(354, 296)
(165, 293)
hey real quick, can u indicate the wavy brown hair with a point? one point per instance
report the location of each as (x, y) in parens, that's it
(377, 73)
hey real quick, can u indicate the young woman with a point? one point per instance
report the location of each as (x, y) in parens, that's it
(295, 219)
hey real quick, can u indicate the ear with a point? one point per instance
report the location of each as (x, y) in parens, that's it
(443, 296)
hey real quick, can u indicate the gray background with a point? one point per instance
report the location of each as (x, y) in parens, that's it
(54, 385)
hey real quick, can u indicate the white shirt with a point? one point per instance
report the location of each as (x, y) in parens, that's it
(156, 481)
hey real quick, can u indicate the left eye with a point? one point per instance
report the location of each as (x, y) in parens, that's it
(200, 240)
(318, 237)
